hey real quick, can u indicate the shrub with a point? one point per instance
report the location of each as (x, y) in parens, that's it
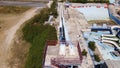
(84, 52)
(91, 45)
(36, 33)
(53, 9)
(96, 57)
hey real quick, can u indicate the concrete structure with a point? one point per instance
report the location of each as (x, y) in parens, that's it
(113, 13)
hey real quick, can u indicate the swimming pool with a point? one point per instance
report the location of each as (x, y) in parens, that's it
(94, 13)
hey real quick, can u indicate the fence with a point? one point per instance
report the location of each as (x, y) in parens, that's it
(65, 61)
(80, 53)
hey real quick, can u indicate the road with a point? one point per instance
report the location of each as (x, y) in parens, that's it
(9, 36)
(16, 3)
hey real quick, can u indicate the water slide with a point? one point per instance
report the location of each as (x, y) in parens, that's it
(111, 39)
(67, 38)
(107, 35)
(62, 45)
(111, 42)
(71, 46)
(113, 31)
(62, 49)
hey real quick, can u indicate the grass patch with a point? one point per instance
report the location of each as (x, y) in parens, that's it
(101, 22)
(13, 9)
(36, 33)
(37, 36)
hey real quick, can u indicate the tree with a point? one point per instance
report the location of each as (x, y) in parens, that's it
(84, 1)
(53, 9)
(96, 57)
(91, 45)
(84, 52)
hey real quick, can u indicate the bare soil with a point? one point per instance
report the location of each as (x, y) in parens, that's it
(101, 22)
(12, 49)
(19, 51)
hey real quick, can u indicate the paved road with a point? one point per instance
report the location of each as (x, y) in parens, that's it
(14, 3)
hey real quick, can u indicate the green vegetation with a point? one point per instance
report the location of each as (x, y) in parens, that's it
(36, 33)
(90, 1)
(84, 52)
(101, 22)
(53, 9)
(61, 1)
(13, 9)
(91, 45)
(96, 57)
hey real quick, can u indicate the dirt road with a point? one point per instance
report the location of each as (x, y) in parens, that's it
(9, 36)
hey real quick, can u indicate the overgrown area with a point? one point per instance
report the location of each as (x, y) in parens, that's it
(13, 9)
(36, 33)
(89, 1)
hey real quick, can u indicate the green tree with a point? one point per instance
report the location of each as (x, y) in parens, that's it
(84, 52)
(96, 57)
(91, 45)
(53, 9)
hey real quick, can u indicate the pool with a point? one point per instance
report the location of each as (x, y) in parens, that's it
(94, 13)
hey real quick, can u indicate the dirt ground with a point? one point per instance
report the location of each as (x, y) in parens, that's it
(19, 51)
(101, 22)
(12, 49)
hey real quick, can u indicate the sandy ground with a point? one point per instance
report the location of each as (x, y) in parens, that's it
(8, 32)
(18, 3)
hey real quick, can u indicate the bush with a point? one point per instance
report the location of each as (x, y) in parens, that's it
(38, 40)
(96, 57)
(84, 52)
(91, 45)
(37, 36)
(36, 33)
(53, 9)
